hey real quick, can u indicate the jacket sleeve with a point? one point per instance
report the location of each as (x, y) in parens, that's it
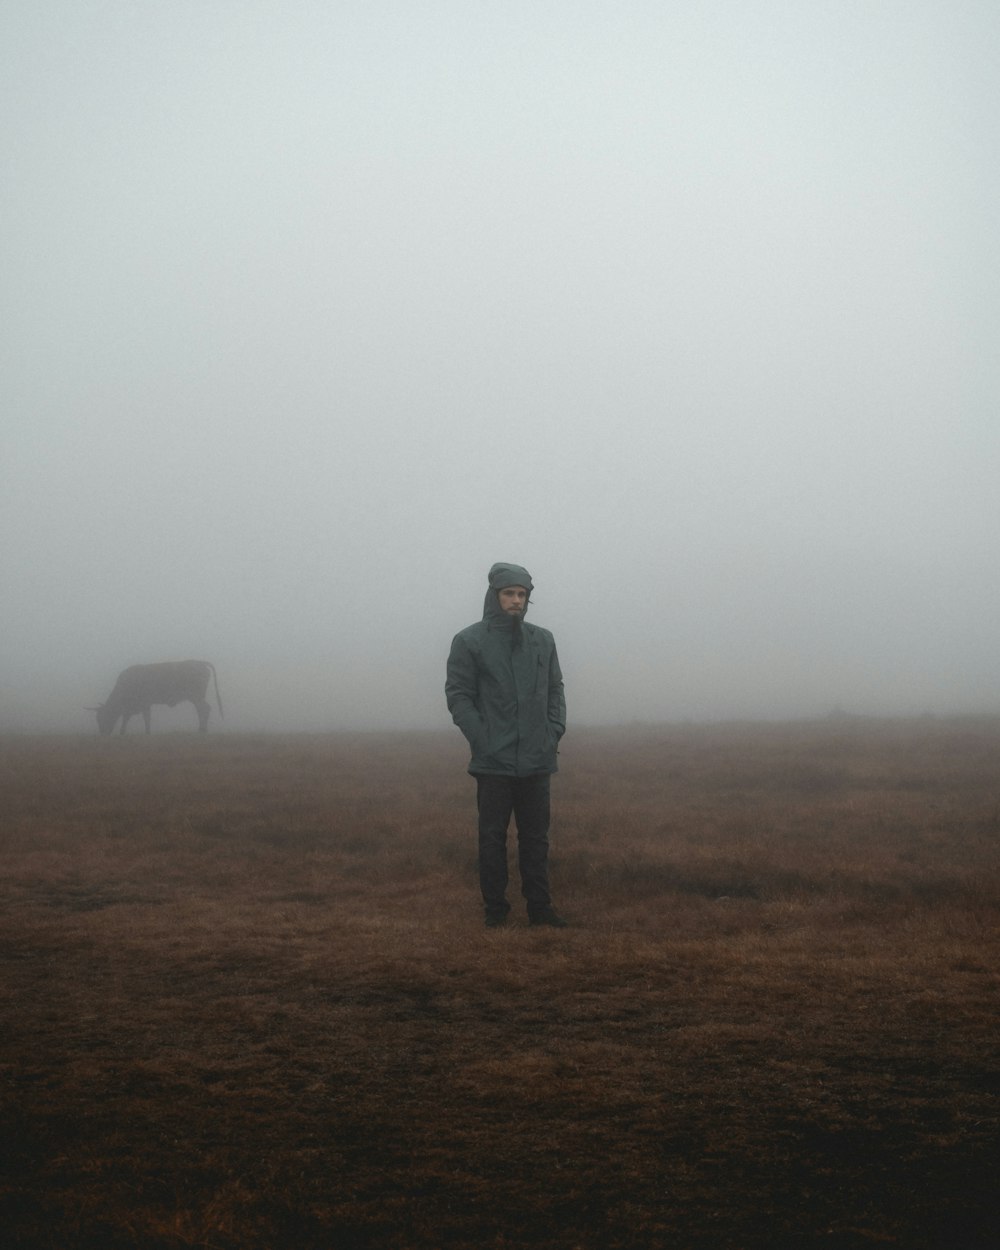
(557, 699)
(461, 690)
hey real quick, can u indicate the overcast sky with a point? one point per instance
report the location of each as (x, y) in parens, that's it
(314, 310)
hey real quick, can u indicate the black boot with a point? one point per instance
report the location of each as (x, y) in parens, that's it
(546, 916)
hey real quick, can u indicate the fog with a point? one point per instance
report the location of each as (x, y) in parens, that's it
(313, 311)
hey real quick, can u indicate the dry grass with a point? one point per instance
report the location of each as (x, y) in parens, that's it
(248, 1002)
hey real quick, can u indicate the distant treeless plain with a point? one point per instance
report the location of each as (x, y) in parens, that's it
(248, 1001)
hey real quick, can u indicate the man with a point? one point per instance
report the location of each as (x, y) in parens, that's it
(505, 693)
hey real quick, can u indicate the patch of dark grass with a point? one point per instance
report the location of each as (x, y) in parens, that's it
(84, 899)
(313, 898)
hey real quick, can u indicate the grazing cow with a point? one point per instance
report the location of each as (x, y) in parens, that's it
(142, 685)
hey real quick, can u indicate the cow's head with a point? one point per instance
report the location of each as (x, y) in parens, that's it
(105, 717)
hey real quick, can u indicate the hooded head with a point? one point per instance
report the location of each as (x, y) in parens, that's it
(500, 577)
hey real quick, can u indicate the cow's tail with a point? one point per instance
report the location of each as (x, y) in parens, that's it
(218, 700)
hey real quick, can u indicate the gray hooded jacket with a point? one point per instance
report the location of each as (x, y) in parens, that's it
(505, 688)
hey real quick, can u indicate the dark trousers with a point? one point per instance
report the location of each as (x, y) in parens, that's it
(527, 798)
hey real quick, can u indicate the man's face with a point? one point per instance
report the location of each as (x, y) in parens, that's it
(513, 600)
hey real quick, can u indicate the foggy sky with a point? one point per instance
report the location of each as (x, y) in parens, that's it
(313, 311)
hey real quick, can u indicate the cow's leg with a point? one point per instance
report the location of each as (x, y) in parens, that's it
(147, 716)
(203, 710)
(125, 720)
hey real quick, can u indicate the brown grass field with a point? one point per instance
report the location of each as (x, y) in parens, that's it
(248, 1001)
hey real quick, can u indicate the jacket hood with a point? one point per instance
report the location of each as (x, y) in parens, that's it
(501, 576)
